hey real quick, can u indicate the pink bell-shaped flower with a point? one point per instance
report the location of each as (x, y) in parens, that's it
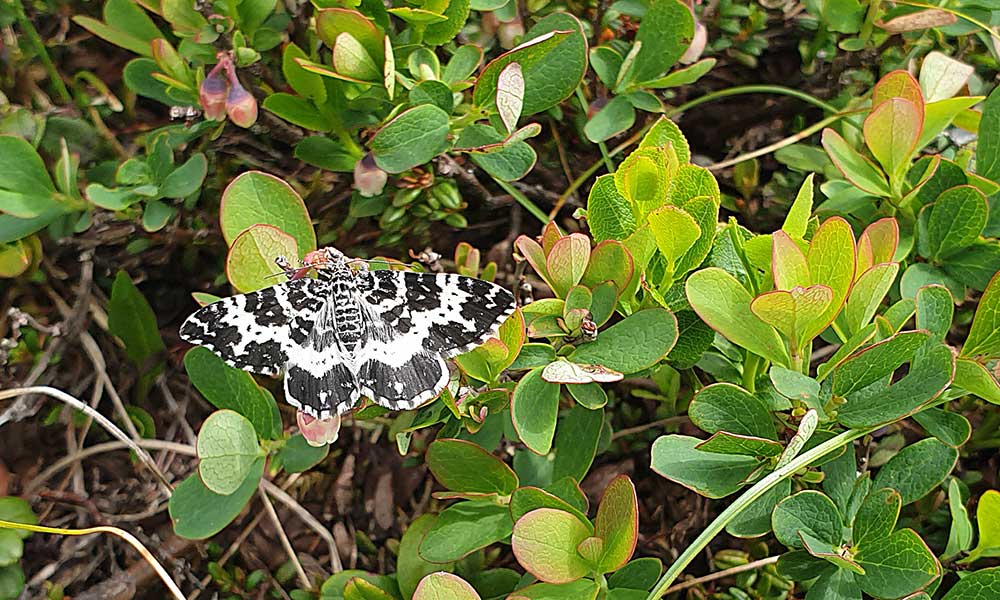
(318, 432)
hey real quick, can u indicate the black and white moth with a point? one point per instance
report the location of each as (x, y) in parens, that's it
(350, 333)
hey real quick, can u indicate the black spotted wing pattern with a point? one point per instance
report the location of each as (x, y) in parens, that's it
(258, 331)
(381, 334)
(416, 320)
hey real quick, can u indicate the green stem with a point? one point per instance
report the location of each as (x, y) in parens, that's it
(36, 40)
(348, 141)
(608, 163)
(523, 201)
(743, 89)
(744, 501)
(750, 370)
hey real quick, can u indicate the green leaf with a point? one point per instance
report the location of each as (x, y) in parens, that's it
(444, 586)
(534, 409)
(939, 115)
(977, 379)
(984, 335)
(255, 197)
(610, 261)
(638, 574)
(953, 222)
(250, 264)
(331, 22)
(615, 117)
(960, 534)
(12, 581)
(505, 162)
(755, 520)
(643, 179)
(981, 585)
(867, 294)
(636, 343)
(227, 447)
(930, 373)
(608, 212)
(723, 442)
(462, 466)
(553, 59)
(876, 518)
(526, 499)
(988, 520)
(326, 154)
(463, 528)
(199, 513)
(412, 138)
(810, 512)
(617, 523)
(138, 76)
(185, 179)
(11, 548)
(665, 32)
(856, 168)
(974, 265)
(664, 132)
(832, 553)
(577, 437)
(350, 58)
(132, 319)
(897, 565)
(297, 110)
(949, 427)
(125, 24)
(730, 408)
(675, 231)
(441, 33)
(545, 543)
(835, 584)
(298, 455)
(891, 132)
(582, 589)
(17, 510)
(410, 566)
(921, 274)
(712, 475)
(230, 388)
(305, 83)
(876, 361)
(156, 214)
(361, 589)
(681, 77)
(917, 469)
(800, 314)
(722, 302)
(831, 258)
(26, 191)
(988, 146)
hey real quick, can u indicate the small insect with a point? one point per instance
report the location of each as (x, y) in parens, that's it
(352, 332)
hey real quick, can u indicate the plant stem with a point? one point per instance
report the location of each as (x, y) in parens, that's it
(788, 141)
(128, 537)
(743, 89)
(608, 163)
(744, 501)
(523, 201)
(36, 40)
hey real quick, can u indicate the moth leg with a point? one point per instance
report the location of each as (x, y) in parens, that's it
(286, 266)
